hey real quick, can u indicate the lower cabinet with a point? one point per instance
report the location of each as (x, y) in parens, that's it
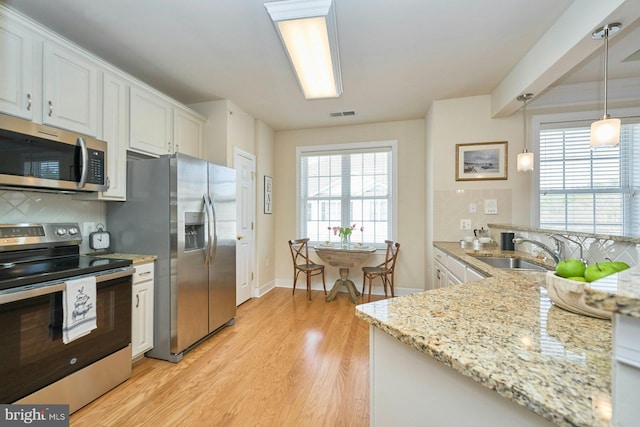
(142, 310)
(449, 270)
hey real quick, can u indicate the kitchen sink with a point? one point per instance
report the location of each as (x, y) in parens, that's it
(510, 263)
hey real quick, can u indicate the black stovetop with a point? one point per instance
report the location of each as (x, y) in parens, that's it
(23, 268)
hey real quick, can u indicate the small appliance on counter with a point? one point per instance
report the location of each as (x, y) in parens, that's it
(506, 241)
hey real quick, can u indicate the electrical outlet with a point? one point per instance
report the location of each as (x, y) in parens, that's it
(473, 207)
(465, 224)
(89, 227)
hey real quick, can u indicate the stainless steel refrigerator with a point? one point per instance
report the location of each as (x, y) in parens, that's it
(183, 210)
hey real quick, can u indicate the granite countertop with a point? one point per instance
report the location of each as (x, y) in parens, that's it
(619, 293)
(504, 333)
(136, 258)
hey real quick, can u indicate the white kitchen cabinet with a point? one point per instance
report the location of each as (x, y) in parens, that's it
(16, 69)
(70, 90)
(449, 270)
(472, 275)
(142, 309)
(150, 125)
(188, 132)
(115, 130)
(439, 275)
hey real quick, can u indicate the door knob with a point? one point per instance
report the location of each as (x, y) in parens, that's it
(240, 237)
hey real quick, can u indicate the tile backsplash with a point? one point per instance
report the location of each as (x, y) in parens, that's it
(451, 206)
(25, 206)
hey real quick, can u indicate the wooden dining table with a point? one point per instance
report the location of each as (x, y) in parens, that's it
(344, 257)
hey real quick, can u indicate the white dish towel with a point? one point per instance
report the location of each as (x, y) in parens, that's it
(79, 308)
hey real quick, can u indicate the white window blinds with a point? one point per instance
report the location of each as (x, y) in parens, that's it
(346, 187)
(589, 190)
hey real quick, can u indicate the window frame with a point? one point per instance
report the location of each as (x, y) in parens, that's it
(353, 146)
(536, 123)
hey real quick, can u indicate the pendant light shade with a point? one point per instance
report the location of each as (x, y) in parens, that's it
(605, 132)
(525, 160)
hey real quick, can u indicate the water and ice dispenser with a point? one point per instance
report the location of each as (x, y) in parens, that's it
(194, 231)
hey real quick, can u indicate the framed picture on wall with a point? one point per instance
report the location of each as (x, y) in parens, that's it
(481, 161)
(268, 194)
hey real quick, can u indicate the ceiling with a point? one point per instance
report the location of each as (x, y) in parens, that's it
(397, 56)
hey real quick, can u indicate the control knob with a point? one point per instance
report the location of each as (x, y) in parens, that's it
(61, 231)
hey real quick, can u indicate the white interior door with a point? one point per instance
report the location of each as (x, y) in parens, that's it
(245, 165)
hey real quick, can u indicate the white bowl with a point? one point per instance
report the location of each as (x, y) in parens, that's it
(569, 294)
(468, 239)
(485, 240)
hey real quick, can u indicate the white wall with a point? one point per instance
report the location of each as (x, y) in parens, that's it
(411, 194)
(462, 121)
(265, 230)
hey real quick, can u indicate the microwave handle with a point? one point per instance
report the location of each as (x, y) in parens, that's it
(85, 162)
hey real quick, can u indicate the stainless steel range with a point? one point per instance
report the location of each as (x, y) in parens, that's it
(37, 263)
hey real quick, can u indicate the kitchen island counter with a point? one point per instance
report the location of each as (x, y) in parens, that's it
(503, 333)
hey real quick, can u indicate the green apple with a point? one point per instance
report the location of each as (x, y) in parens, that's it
(598, 271)
(577, 278)
(617, 265)
(570, 268)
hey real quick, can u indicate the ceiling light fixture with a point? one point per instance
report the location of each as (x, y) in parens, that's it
(308, 31)
(525, 159)
(605, 132)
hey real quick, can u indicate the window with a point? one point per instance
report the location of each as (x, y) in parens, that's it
(593, 191)
(347, 184)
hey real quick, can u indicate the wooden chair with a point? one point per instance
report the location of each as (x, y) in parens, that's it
(385, 270)
(302, 264)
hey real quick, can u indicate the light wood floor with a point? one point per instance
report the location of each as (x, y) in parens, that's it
(286, 362)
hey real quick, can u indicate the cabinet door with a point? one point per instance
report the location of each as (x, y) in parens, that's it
(188, 132)
(70, 90)
(16, 66)
(116, 133)
(439, 276)
(142, 310)
(150, 124)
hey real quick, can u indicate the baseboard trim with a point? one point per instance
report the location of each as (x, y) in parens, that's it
(377, 289)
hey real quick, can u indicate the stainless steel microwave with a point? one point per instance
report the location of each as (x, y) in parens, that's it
(34, 156)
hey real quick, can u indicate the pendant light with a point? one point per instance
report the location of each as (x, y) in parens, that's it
(525, 159)
(605, 132)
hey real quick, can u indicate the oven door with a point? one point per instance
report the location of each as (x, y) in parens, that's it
(32, 354)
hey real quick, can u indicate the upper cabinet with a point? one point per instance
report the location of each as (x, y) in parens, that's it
(70, 90)
(150, 122)
(16, 91)
(46, 82)
(188, 132)
(159, 126)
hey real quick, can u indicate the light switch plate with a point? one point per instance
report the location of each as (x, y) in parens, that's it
(491, 207)
(473, 207)
(465, 224)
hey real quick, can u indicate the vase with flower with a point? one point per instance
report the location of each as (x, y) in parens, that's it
(345, 235)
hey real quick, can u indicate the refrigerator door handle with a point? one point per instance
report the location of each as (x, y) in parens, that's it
(206, 209)
(215, 230)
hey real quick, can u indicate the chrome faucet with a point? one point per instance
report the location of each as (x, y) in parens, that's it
(555, 254)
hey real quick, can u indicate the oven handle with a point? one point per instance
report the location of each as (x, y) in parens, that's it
(45, 290)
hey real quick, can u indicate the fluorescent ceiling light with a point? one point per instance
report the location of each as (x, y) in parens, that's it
(307, 29)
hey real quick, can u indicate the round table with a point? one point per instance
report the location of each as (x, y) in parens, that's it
(344, 258)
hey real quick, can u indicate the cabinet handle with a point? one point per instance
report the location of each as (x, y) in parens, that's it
(108, 183)
(169, 146)
(137, 300)
(177, 145)
(50, 108)
(28, 102)
(146, 273)
(438, 274)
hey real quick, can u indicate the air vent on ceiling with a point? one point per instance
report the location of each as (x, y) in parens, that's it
(342, 113)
